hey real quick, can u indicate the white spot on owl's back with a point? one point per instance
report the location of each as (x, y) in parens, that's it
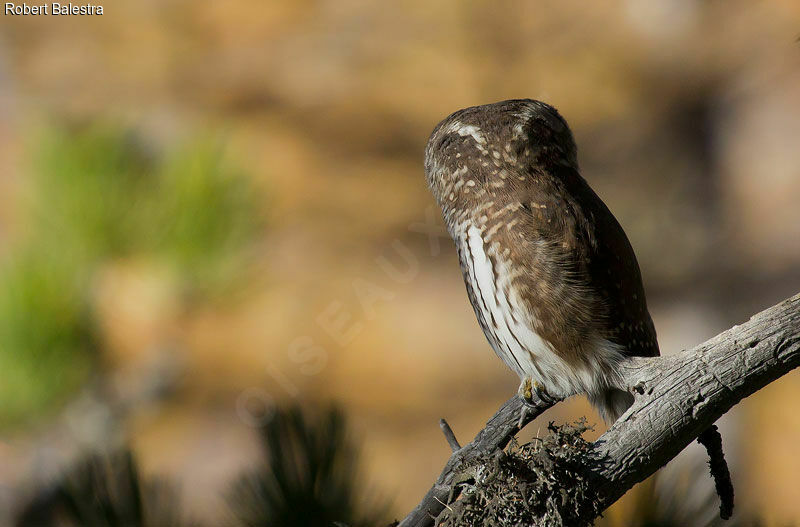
(473, 131)
(465, 130)
(493, 230)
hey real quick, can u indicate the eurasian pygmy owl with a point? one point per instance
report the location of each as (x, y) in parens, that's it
(550, 273)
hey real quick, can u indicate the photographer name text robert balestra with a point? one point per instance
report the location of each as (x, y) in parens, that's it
(52, 9)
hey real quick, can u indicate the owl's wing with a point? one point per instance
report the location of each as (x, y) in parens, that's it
(577, 228)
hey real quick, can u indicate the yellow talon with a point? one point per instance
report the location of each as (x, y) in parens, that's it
(528, 388)
(527, 392)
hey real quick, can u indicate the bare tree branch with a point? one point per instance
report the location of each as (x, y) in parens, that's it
(677, 397)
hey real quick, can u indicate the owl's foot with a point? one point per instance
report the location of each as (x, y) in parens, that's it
(528, 388)
(536, 400)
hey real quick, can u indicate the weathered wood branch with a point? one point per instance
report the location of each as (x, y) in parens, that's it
(677, 397)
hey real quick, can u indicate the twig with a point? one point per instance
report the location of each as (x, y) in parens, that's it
(449, 435)
(712, 442)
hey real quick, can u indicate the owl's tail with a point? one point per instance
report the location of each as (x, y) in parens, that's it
(611, 403)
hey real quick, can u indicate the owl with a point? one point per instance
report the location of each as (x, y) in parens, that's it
(550, 273)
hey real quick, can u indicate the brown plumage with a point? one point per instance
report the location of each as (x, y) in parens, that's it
(549, 271)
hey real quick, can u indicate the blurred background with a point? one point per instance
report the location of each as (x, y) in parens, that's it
(213, 210)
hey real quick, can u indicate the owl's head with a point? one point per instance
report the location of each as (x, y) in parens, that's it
(484, 150)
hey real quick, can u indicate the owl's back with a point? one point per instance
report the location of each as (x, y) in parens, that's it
(549, 271)
(509, 171)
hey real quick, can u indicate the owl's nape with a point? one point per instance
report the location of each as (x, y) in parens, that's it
(549, 272)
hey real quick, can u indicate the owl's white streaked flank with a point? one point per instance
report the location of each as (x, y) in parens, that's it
(550, 273)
